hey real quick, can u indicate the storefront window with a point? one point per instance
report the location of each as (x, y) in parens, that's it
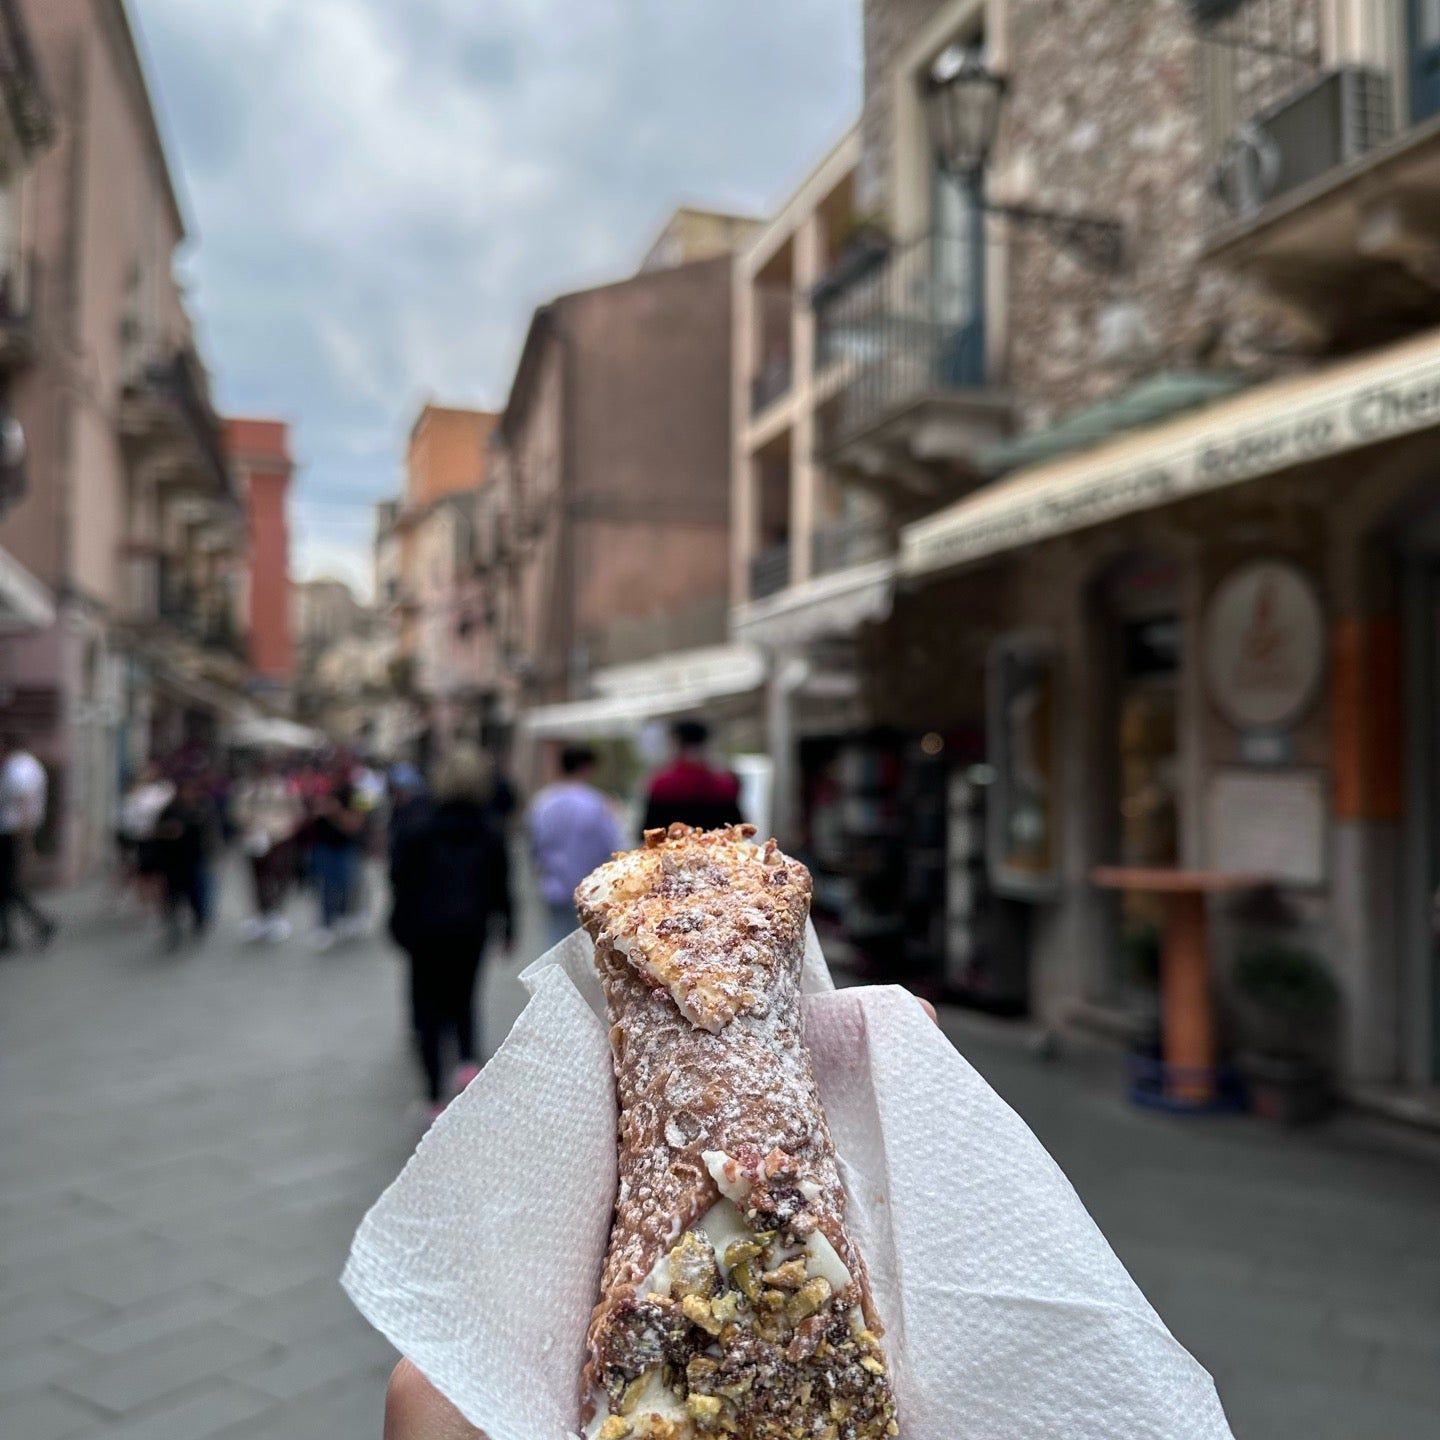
(1141, 737)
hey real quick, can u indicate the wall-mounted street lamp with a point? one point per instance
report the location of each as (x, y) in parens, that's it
(963, 98)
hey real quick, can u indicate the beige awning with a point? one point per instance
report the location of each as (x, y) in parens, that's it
(1381, 396)
(827, 605)
(631, 695)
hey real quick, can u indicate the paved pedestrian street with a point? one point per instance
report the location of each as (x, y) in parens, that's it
(189, 1140)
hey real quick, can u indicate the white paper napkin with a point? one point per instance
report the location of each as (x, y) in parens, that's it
(1008, 1315)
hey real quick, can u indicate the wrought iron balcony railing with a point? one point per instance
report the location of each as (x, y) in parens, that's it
(770, 384)
(769, 571)
(903, 325)
(838, 547)
(1275, 117)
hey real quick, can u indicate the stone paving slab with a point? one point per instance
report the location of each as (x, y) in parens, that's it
(190, 1140)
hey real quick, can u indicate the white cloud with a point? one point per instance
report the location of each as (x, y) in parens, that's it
(383, 191)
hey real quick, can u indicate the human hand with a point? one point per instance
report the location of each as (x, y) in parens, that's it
(416, 1410)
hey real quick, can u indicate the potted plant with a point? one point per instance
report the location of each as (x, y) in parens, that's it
(1287, 1005)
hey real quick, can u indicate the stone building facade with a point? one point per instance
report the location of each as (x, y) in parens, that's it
(1086, 463)
(1105, 115)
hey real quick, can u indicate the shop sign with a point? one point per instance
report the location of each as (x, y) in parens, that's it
(1021, 841)
(1264, 645)
(1269, 823)
(1302, 425)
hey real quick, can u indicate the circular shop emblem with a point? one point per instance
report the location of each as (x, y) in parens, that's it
(1264, 645)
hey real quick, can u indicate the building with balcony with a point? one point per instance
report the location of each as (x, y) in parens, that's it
(613, 540)
(27, 126)
(1136, 355)
(812, 551)
(129, 520)
(427, 590)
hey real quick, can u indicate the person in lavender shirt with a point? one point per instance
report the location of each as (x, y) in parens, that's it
(572, 830)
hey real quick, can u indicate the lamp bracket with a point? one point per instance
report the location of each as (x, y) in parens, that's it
(1098, 241)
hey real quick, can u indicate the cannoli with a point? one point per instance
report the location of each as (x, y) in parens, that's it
(732, 1301)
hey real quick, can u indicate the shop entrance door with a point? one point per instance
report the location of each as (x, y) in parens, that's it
(1139, 796)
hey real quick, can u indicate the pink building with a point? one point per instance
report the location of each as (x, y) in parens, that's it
(129, 524)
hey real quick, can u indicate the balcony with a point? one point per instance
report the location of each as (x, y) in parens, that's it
(770, 385)
(769, 571)
(1325, 180)
(168, 423)
(19, 276)
(838, 547)
(905, 327)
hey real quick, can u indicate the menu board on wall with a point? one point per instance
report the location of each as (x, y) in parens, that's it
(1269, 823)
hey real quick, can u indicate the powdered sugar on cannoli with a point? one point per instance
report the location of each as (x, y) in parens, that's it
(731, 1282)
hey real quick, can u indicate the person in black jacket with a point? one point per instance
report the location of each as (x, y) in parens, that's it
(186, 836)
(450, 878)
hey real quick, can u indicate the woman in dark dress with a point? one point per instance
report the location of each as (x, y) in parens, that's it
(450, 878)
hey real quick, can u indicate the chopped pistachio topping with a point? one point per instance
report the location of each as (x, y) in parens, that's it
(692, 1267)
(704, 1408)
(789, 1276)
(759, 1345)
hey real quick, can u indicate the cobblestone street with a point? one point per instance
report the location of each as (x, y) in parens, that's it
(189, 1141)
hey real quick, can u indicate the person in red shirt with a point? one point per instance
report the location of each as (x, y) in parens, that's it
(688, 789)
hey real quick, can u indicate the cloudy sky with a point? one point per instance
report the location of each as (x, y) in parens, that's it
(382, 190)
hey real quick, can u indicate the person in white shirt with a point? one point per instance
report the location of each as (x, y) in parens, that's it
(23, 793)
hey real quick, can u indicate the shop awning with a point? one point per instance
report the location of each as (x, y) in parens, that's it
(1380, 396)
(630, 695)
(833, 604)
(25, 604)
(1159, 398)
(274, 732)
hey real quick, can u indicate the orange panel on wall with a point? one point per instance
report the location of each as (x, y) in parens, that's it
(1366, 724)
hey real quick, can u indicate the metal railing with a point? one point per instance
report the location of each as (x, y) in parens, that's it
(17, 287)
(176, 383)
(769, 571)
(905, 325)
(1274, 115)
(837, 547)
(773, 381)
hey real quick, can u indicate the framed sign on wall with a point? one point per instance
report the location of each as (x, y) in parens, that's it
(1264, 645)
(1269, 823)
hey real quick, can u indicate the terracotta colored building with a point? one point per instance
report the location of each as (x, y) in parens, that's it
(426, 587)
(259, 454)
(446, 452)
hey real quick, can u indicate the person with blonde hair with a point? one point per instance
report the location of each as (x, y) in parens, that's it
(450, 878)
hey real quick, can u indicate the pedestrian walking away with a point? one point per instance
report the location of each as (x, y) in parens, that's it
(187, 833)
(267, 812)
(23, 793)
(450, 879)
(138, 857)
(409, 804)
(335, 835)
(572, 830)
(689, 789)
